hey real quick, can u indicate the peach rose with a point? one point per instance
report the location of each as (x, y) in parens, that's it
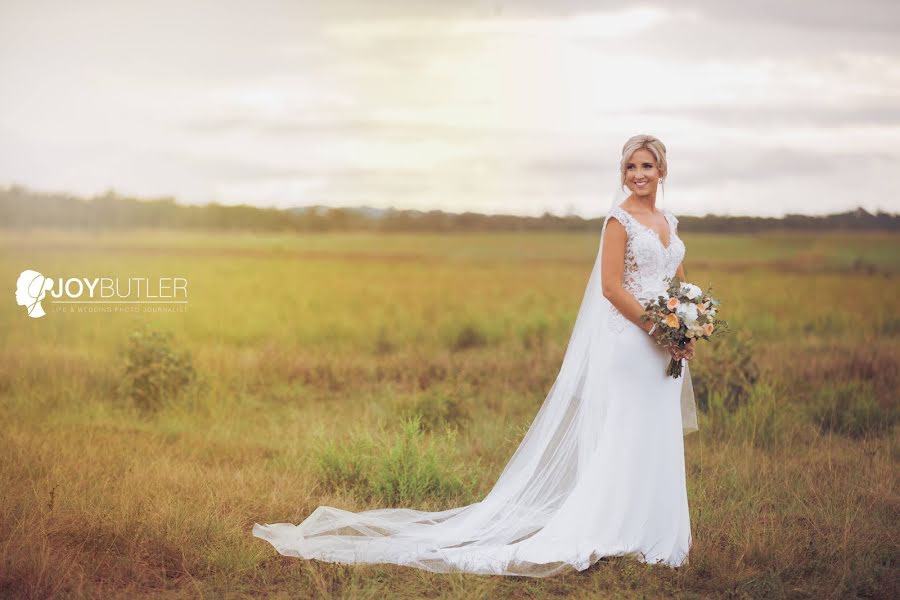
(673, 303)
(708, 328)
(672, 321)
(701, 308)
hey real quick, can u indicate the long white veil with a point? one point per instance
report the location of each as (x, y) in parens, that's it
(482, 537)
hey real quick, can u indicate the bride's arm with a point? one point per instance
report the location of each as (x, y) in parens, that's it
(613, 268)
(680, 272)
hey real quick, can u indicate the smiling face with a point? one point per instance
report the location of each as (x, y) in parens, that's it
(642, 173)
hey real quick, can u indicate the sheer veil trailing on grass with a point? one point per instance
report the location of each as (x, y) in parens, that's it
(574, 490)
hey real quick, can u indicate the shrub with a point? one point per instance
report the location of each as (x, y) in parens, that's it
(346, 464)
(850, 408)
(383, 343)
(470, 336)
(412, 469)
(726, 372)
(535, 334)
(154, 373)
(761, 421)
(439, 410)
(403, 468)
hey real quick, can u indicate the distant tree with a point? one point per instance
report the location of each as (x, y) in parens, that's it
(21, 208)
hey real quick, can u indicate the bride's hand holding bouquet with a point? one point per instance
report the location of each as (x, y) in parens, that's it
(683, 314)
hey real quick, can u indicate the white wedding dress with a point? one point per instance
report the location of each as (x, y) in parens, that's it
(600, 471)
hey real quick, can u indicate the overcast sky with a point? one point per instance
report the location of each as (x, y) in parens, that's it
(516, 107)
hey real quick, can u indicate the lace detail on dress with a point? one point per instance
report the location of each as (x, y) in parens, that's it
(647, 261)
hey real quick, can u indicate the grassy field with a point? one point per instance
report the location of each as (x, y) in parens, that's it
(364, 371)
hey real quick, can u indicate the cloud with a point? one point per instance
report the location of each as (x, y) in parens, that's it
(607, 24)
(491, 103)
(714, 167)
(882, 112)
(860, 16)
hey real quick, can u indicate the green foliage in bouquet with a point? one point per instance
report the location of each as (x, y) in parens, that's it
(684, 313)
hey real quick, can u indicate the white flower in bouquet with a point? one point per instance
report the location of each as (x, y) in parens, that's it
(691, 291)
(688, 312)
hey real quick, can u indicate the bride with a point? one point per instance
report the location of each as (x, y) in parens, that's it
(600, 471)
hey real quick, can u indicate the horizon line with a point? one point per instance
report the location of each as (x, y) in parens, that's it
(182, 203)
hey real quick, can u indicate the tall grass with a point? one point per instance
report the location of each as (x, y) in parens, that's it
(364, 372)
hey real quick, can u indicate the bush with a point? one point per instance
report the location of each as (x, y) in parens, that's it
(412, 469)
(439, 410)
(535, 334)
(761, 421)
(408, 469)
(726, 372)
(383, 343)
(470, 336)
(850, 408)
(154, 373)
(346, 464)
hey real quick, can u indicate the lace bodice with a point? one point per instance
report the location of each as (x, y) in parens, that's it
(647, 261)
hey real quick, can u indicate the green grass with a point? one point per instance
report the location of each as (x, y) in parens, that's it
(314, 354)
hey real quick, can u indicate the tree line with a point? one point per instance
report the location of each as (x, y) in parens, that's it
(22, 208)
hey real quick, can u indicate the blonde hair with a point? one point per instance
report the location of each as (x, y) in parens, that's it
(647, 142)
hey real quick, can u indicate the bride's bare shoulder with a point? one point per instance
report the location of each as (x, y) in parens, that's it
(671, 215)
(615, 222)
(615, 231)
(615, 216)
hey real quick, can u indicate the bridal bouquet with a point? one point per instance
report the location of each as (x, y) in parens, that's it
(683, 313)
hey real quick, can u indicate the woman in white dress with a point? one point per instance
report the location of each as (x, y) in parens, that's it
(600, 471)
